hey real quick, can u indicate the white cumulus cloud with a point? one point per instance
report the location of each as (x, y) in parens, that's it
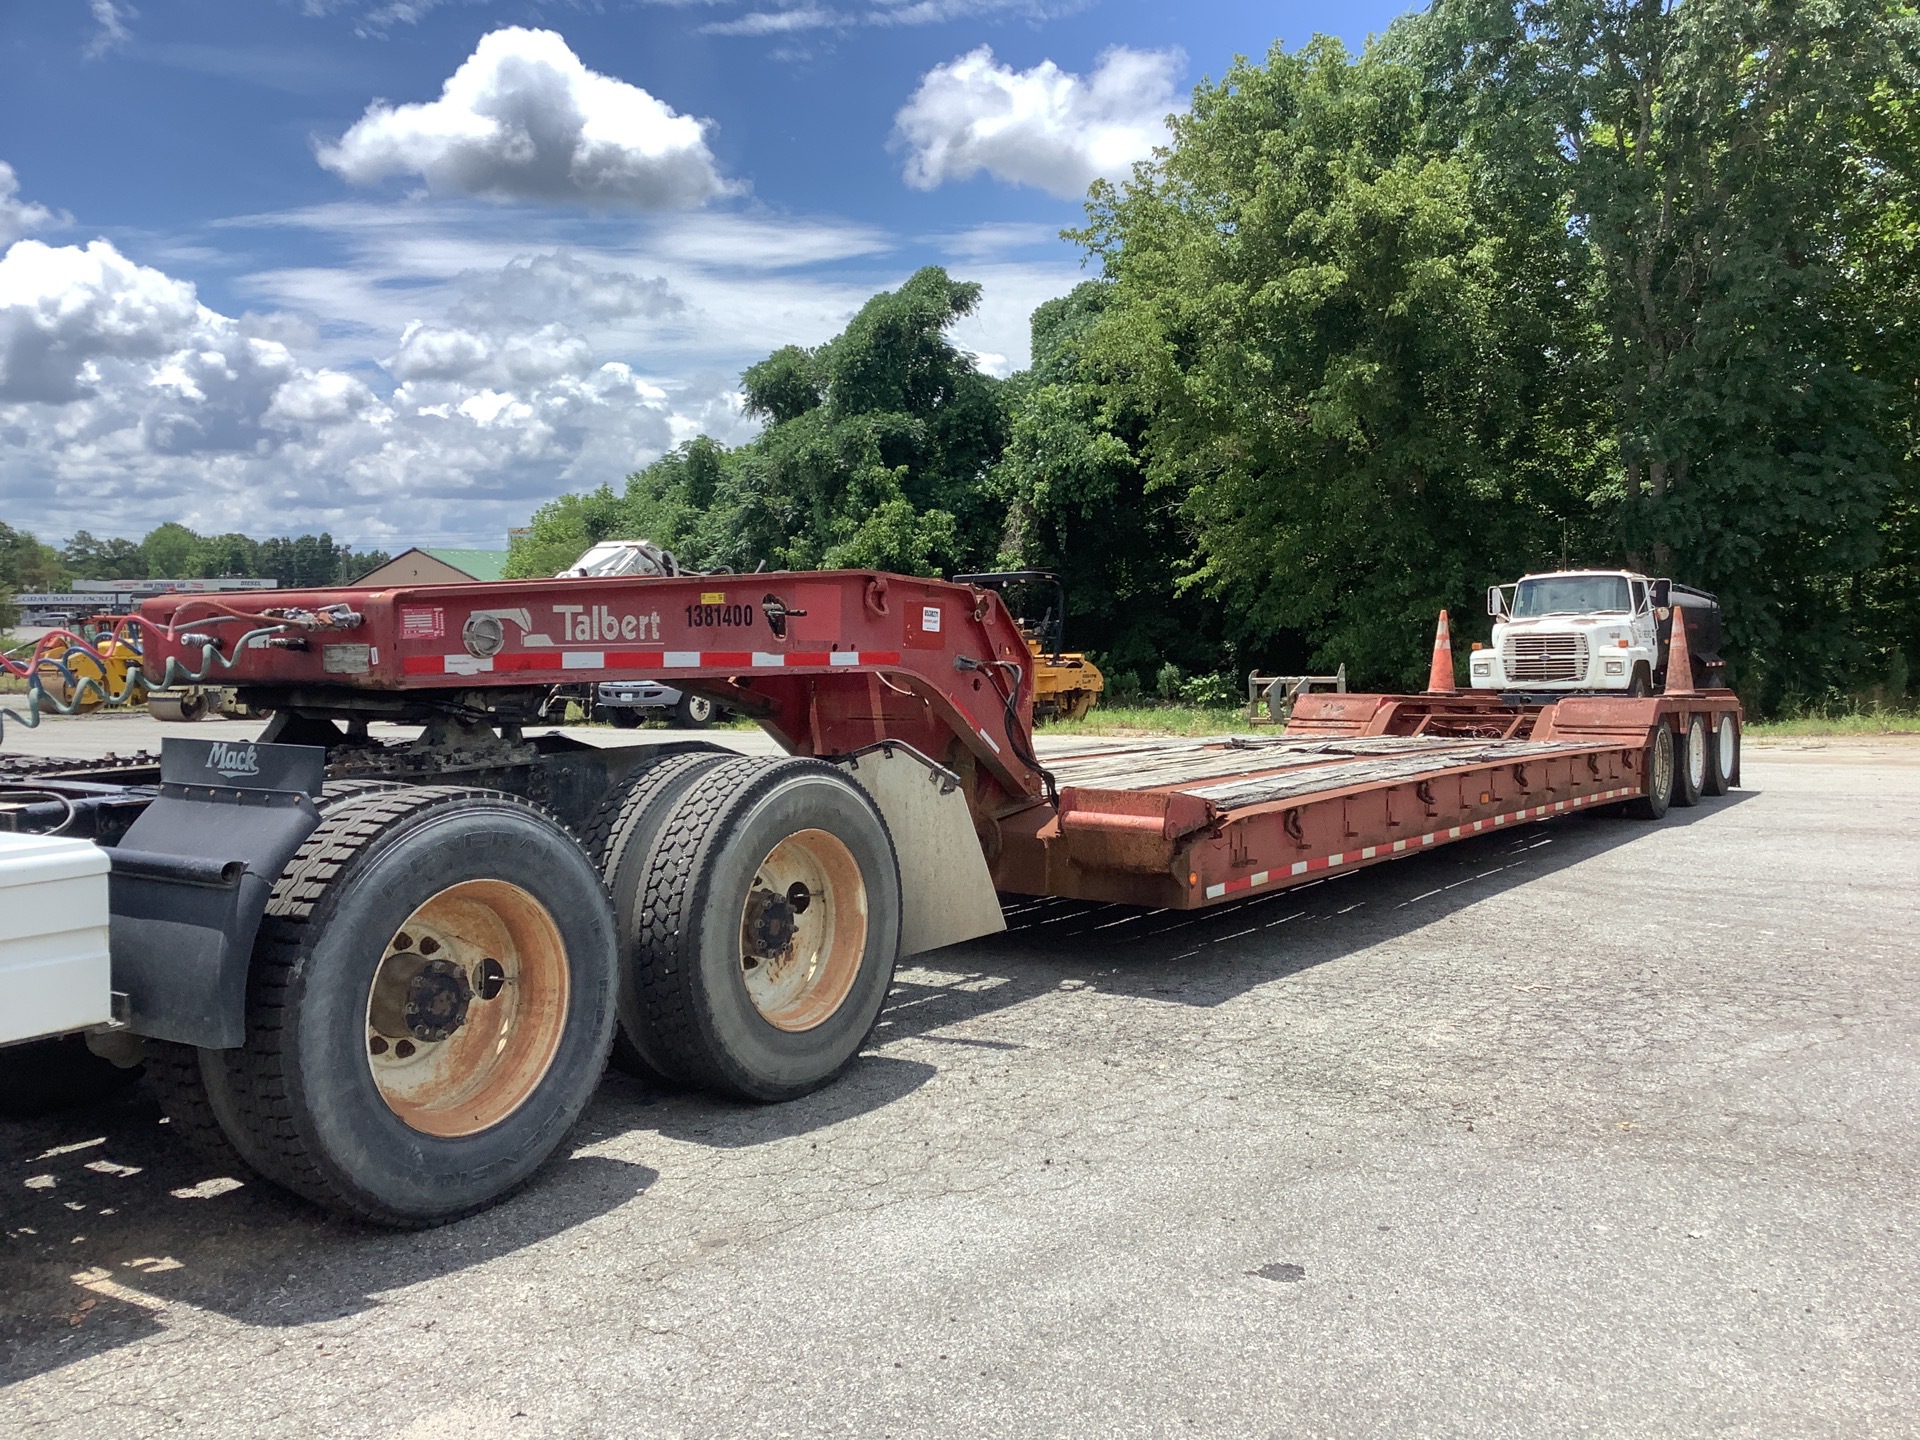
(18, 216)
(65, 311)
(121, 392)
(1043, 127)
(524, 119)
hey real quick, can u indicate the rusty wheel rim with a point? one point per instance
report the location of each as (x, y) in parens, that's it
(467, 1008)
(803, 930)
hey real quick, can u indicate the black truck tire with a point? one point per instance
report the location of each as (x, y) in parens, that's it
(176, 1078)
(746, 995)
(620, 839)
(1660, 770)
(401, 922)
(624, 717)
(1723, 756)
(1690, 763)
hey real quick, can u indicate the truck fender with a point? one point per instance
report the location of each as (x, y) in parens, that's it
(947, 894)
(190, 881)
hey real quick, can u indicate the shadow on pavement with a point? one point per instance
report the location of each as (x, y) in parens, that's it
(1207, 957)
(108, 1222)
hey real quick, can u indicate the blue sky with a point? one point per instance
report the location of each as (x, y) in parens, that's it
(404, 269)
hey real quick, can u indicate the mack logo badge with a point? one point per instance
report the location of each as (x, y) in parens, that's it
(233, 762)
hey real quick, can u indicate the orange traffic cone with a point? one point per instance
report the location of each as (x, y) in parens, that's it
(1440, 677)
(1679, 657)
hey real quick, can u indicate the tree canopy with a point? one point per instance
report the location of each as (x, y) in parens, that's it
(1526, 283)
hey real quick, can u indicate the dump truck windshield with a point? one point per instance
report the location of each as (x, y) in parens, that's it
(1571, 595)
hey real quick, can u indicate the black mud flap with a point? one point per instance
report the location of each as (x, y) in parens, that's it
(191, 879)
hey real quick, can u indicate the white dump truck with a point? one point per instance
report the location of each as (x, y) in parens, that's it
(1581, 631)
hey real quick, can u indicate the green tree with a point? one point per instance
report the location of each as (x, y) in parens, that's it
(301, 562)
(1347, 348)
(1717, 160)
(1074, 484)
(230, 555)
(25, 565)
(168, 551)
(90, 558)
(875, 454)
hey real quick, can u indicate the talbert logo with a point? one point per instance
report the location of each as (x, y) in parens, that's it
(600, 622)
(233, 762)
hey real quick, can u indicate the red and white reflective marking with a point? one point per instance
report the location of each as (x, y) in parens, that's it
(1433, 837)
(557, 661)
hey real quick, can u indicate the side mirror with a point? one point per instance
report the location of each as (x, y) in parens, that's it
(1496, 601)
(1662, 594)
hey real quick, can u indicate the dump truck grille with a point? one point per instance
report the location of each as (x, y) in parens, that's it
(1545, 658)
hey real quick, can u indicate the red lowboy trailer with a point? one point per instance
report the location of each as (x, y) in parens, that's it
(385, 974)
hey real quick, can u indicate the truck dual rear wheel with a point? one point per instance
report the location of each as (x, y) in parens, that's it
(768, 929)
(430, 1007)
(1690, 763)
(620, 840)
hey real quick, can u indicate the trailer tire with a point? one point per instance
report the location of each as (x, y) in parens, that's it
(1690, 763)
(1723, 756)
(1659, 774)
(620, 840)
(322, 1108)
(748, 1025)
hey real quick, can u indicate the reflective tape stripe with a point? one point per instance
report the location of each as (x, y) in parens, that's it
(526, 661)
(1372, 852)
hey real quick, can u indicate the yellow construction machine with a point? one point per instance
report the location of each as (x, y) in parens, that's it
(1066, 684)
(111, 663)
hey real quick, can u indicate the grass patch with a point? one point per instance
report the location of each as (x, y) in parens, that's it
(1881, 722)
(1152, 720)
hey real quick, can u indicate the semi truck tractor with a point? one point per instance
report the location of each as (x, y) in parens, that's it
(387, 974)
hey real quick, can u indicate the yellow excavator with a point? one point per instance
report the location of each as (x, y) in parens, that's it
(1066, 684)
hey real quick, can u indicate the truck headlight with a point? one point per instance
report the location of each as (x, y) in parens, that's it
(1616, 667)
(1482, 660)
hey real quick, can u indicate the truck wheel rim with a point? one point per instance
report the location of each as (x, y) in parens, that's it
(1662, 764)
(1729, 745)
(803, 930)
(1696, 754)
(467, 1008)
(699, 708)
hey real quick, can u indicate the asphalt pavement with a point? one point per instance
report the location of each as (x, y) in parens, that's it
(1593, 1128)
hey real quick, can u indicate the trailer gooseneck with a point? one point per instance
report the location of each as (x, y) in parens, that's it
(387, 975)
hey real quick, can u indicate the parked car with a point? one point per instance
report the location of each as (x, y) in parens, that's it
(627, 702)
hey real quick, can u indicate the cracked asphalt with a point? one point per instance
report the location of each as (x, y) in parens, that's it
(1588, 1128)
